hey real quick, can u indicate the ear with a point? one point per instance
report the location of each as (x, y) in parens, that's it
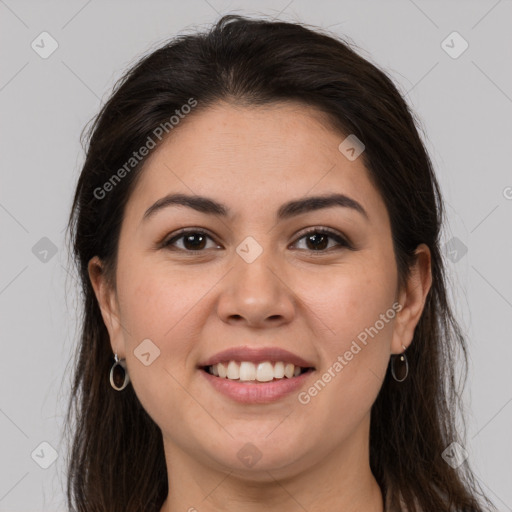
(108, 304)
(412, 298)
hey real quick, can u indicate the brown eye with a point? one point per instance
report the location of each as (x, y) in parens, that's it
(317, 240)
(193, 240)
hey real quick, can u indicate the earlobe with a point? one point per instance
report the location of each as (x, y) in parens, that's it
(412, 298)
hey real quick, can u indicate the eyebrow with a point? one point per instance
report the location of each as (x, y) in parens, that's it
(286, 211)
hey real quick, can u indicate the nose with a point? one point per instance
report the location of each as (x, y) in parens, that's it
(256, 294)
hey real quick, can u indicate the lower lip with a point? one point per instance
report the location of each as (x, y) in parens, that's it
(260, 393)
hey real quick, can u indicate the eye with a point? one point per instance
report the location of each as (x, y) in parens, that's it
(193, 240)
(318, 239)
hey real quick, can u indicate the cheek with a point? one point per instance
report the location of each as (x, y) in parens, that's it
(156, 307)
(156, 299)
(167, 306)
(354, 300)
(356, 349)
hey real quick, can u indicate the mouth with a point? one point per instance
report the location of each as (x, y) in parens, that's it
(266, 386)
(247, 372)
(251, 375)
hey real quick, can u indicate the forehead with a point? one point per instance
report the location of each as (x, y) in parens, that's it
(254, 157)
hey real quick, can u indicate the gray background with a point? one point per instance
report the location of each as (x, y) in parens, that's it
(464, 104)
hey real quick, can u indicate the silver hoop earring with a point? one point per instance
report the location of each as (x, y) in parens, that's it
(399, 366)
(119, 377)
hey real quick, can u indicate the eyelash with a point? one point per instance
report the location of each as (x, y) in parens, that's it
(342, 242)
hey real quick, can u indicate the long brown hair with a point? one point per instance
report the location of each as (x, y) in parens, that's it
(116, 461)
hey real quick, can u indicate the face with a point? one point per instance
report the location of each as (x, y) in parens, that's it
(253, 278)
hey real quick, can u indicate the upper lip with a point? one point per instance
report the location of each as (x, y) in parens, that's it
(256, 355)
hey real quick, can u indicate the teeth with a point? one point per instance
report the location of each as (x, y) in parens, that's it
(233, 371)
(247, 370)
(265, 372)
(261, 372)
(222, 370)
(279, 370)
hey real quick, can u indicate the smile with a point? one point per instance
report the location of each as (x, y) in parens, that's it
(246, 382)
(248, 371)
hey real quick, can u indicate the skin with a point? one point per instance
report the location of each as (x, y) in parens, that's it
(316, 456)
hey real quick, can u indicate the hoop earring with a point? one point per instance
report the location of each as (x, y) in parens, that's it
(402, 368)
(119, 377)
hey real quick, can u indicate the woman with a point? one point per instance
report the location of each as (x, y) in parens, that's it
(266, 323)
